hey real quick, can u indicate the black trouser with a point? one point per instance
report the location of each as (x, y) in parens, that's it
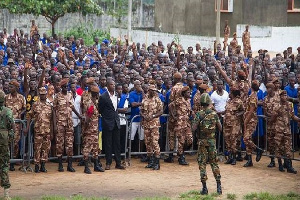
(123, 138)
(111, 141)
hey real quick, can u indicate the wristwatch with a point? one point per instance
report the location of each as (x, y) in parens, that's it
(153, 116)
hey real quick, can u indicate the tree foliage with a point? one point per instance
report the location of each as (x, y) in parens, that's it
(52, 10)
(116, 8)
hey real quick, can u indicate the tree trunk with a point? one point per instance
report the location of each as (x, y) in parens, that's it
(53, 21)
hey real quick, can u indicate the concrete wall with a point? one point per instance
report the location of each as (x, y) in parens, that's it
(11, 21)
(199, 16)
(279, 38)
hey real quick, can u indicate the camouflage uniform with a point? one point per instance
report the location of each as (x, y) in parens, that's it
(182, 124)
(251, 126)
(149, 107)
(175, 93)
(246, 42)
(42, 114)
(6, 120)
(270, 105)
(90, 132)
(17, 105)
(62, 105)
(232, 123)
(226, 36)
(206, 121)
(197, 105)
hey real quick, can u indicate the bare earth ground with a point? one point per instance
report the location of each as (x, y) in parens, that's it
(170, 181)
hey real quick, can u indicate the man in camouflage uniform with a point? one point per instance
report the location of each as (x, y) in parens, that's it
(90, 133)
(43, 115)
(180, 110)
(151, 109)
(270, 105)
(175, 94)
(226, 35)
(246, 41)
(16, 102)
(7, 128)
(206, 122)
(283, 135)
(63, 106)
(250, 122)
(232, 124)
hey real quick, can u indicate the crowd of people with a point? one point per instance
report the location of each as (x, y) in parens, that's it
(79, 97)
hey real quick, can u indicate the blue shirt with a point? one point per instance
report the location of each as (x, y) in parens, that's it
(102, 90)
(162, 120)
(122, 101)
(292, 92)
(135, 97)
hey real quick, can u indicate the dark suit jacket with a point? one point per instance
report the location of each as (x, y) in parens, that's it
(110, 117)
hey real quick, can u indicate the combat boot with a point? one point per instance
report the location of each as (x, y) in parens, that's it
(37, 168)
(233, 159)
(81, 162)
(204, 190)
(156, 165)
(290, 168)
(219, 187)
(12, 167)
(285, 161)
(97, 167)
(86, 167)
(181, 160)
(43, 169)
(70, 167)
(259, 153)
(280, 166)
(249, 163)
(60, 165)
(150, 162)
(6, 194)
(169, 159)
(229, 160)
(239, 157)
(145, 159)
(272, 163)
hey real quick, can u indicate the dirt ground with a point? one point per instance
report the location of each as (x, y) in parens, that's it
(137, 181)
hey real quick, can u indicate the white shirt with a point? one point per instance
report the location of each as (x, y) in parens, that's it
(219, 101)
(122, 120)
(75, 118)
(114, 100)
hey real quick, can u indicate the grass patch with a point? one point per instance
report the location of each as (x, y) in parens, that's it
(268, 196)
(191, 195)
(231, 196)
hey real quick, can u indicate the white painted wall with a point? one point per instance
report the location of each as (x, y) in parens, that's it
(274, 39)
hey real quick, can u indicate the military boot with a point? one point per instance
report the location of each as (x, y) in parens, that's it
(233, 159)
(169, 159)
(272, 163)
(60, 165)
(145, 159)
(290, 168)
(249, 163)
(229, 160)
(259, 153)
(37, 168)
(97, 167)
(285, 163)
(219, 187)
(70, 167)
(239, 157)
(280, 166)
(43, 169)
(81, 162)
(12, 167)
(150, 162)
(156, 165)
(6, 194)
(204, 190)
(181, 160)
(86, 167)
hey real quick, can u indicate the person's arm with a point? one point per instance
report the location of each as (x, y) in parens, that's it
(178, 56)
(133, 103)
(219, 125)
(248, 115)
(54, 124)
(42, 76)
(223, 73)
(26, 84)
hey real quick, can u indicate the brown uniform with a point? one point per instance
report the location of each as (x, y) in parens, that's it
(42, 114)
(17, 105)
(90, 131)
(149, 107)
(197, 104)
(62, 105)
(226, 36)
(251, 126)
(246, 42)
(234, 43)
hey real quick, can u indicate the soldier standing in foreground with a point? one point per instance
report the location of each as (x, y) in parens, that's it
(206, 121)
(7, 129)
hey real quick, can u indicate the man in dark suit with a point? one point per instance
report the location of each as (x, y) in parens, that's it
(110, 125)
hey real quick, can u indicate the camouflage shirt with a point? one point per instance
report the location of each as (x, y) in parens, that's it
(6, 121)
(16, 104)
(233, 107)
(62, 105)
(286, 112)
(175, 91)
(150, 107)
(42, 114)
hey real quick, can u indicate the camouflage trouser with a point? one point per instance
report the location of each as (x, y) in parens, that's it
(247, 47)
(231, 135)
(225, 42)
(64, 139)
(184, 134)
(4, 159)
(151, 141)
(90, 144)
(283, 143)
(171, 126)
(208, 154)
(270, 138)
(42, 145)
(17, 137)
(250, 128)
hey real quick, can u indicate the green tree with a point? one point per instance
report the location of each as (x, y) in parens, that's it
(52, 10)
(116, 8)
